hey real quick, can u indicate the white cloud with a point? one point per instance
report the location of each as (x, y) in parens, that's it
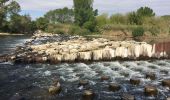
(44, 5)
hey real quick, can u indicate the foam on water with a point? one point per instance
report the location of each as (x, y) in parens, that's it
(42, 76)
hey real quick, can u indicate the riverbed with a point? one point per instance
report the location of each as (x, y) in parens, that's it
(31, 81)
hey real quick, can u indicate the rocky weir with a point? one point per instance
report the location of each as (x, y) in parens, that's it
(54, 48)
(103, 80)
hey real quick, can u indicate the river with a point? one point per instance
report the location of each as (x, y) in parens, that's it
(31, 81)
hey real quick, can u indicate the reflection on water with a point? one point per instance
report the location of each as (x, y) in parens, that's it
(8, 43)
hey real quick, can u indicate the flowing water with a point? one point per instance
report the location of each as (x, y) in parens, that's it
(32, 81)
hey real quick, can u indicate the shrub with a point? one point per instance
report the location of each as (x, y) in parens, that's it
(118, 19)
(138, 32)
(154, 30)
(57, 28)
(76, 30)
(102, 20)
(58, 31)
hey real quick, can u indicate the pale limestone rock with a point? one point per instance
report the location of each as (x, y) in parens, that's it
(69, 57)
(85, 55)
(108, 53)
(97, 55)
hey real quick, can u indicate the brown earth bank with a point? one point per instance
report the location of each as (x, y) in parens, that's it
(56, 48)
(127, 36)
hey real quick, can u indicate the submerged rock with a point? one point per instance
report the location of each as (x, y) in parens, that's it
(150, 91)
(151, 76)
(166, 83)
(127, 97)
(135, 81)
(104, 78)
(114, 87)
(168, 98)
(88, 95)
(55, 88)
(83, 82)
(17, 96)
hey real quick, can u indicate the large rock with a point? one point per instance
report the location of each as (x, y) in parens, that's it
(150, 91)
(126, 96)
(55, 88)
(135, 81)
(151, 76)
(88, 95)
(105, 78)
(83, 82)
(114, 87)
(168, 98)
(166, 83)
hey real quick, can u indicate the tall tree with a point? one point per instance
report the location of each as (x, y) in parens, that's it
(7, 9)
(145, 12)
(84, 14)
(134, 18)
(64, 15)
(42, 23)
(21, 24)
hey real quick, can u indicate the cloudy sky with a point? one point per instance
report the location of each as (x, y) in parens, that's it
(37, 8)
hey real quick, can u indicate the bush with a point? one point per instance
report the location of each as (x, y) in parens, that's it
(118, 19)
(58, 28)
(138, 32)
(58, 31)
(76, 30)
(102, 20)
(154, 30)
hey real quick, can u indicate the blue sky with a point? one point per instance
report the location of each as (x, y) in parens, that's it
(37, 8)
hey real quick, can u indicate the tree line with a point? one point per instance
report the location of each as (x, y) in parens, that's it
(11, 21)
(82, 19)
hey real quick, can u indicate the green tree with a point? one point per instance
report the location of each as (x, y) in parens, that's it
(7, 8)
(118, 19)
(84, 14)
(42, 23)
(64, 15)
(145, 12)
(134, 18)
(21, 24)
(102, 20)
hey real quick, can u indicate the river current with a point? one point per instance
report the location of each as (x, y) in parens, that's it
(31, 81)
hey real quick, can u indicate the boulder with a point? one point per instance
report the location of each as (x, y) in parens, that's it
(168, 98)
(88, 95)
(150, 90)
(135, 81)
(151, 76)
(97, 55)
(126, 96)
(105, 78)
(166, 83)
(83, 82)
(114, 87)
(55, 88)
(86, 56)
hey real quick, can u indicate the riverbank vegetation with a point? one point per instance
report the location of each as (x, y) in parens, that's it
(84, 20)
(11, 21)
